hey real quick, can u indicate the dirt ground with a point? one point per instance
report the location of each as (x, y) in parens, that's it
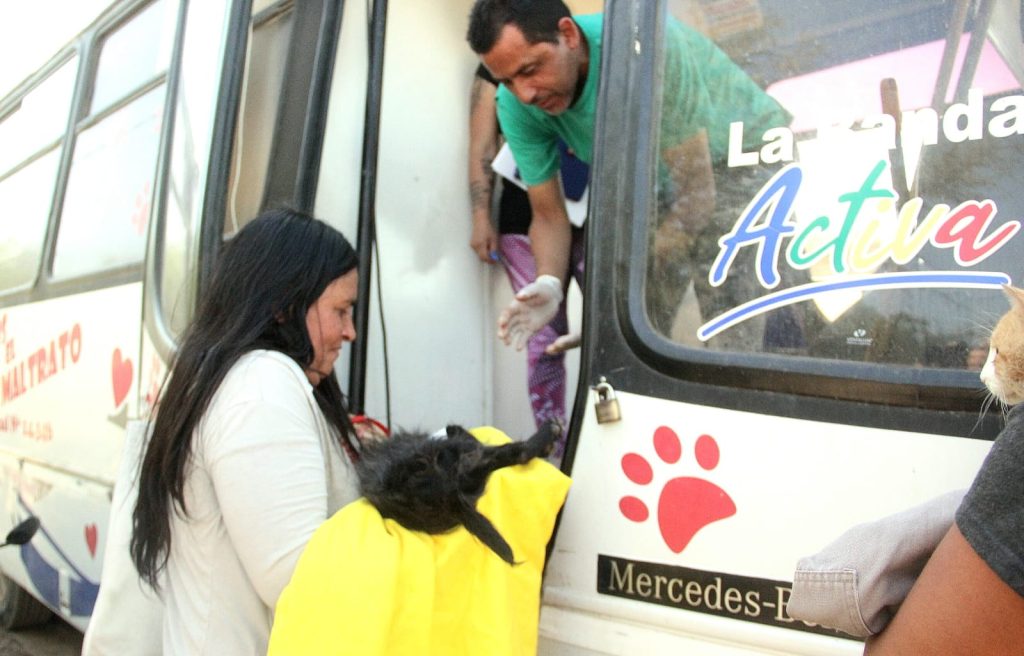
(55, 638)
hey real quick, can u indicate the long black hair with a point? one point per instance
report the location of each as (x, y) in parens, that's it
(264, 282)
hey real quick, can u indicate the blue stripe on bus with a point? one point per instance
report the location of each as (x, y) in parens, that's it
(944, 279)
(46, 580)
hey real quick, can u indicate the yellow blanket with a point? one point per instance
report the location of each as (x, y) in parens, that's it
(364, 585)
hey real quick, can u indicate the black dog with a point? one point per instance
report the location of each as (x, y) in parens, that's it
(432, 484)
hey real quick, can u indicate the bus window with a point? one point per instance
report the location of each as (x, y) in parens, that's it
(852, 199)
(29, 155)
(258, 123)
(39, 118)
(25, 196)
(106, 206)
(134, 55)
(270, 32)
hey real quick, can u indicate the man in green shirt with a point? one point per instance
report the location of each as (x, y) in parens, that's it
(547, 64)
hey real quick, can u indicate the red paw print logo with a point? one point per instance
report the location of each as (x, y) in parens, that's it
(686, 504)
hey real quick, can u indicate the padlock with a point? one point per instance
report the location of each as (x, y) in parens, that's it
(607, 406)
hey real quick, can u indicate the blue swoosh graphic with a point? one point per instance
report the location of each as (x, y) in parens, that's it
(946, 279)
(46, 577)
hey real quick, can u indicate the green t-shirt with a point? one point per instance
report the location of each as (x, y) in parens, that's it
(703, 88)
(533, 135)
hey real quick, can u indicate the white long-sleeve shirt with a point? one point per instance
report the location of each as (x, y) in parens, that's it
(265, 473)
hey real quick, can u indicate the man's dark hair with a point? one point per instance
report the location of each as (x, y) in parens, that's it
(536, 19)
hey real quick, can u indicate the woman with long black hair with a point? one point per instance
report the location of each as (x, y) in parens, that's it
(251, 448)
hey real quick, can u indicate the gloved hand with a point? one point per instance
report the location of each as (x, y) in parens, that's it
(536, 304)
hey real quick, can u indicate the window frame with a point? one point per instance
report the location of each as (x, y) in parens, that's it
(620, 343)
(86, 47)
(11, 105)
(83, 120)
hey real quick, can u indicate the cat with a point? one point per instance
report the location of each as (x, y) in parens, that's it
(1003, 371)
(432, 484)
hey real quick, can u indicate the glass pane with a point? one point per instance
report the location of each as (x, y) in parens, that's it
(268, 53)
(106, 209)
(134, 54)
(26, 197)
(825, 190)
(40, 119)
(193, 128)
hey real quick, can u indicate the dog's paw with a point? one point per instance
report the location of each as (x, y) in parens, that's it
(543, 441)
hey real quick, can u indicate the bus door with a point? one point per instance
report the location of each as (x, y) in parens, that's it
(394, 165)
(805, 359)
(246, 136)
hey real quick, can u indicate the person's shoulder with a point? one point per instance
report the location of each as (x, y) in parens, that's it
(591, 25)
(510, 110)
(680, 32)
(266, 360)
(1013, 429)
(264, 375)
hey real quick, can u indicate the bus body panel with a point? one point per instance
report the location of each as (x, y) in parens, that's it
(71, 383)
(61, 565)
(686, 517)
(681, 515)
(70, 379)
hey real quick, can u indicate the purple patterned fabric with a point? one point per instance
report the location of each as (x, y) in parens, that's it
(545, 373)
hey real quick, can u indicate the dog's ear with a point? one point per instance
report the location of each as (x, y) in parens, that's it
(484, 530)
(456, 431)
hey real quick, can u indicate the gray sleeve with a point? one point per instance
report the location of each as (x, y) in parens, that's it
(857, 582)
(991, 517)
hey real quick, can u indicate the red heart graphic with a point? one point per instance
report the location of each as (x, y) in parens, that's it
(121, 375)
(90, 538)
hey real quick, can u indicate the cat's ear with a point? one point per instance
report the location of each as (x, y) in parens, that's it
(1016, 296)
(454, 430)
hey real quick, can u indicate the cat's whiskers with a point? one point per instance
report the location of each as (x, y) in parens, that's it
(986, 403)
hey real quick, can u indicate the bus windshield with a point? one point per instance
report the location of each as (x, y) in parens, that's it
(844, 187)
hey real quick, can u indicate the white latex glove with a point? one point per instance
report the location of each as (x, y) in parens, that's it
(536, 304)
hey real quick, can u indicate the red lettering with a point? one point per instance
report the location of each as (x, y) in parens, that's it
(30, 381)
(41, 365)
(964, 229)
(76, 342)
(52, 360)
(63, 350)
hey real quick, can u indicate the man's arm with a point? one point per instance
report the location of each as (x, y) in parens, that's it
(957, 606)
(550, 238)
(483, 146)
(690, 210)
(550, 230)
